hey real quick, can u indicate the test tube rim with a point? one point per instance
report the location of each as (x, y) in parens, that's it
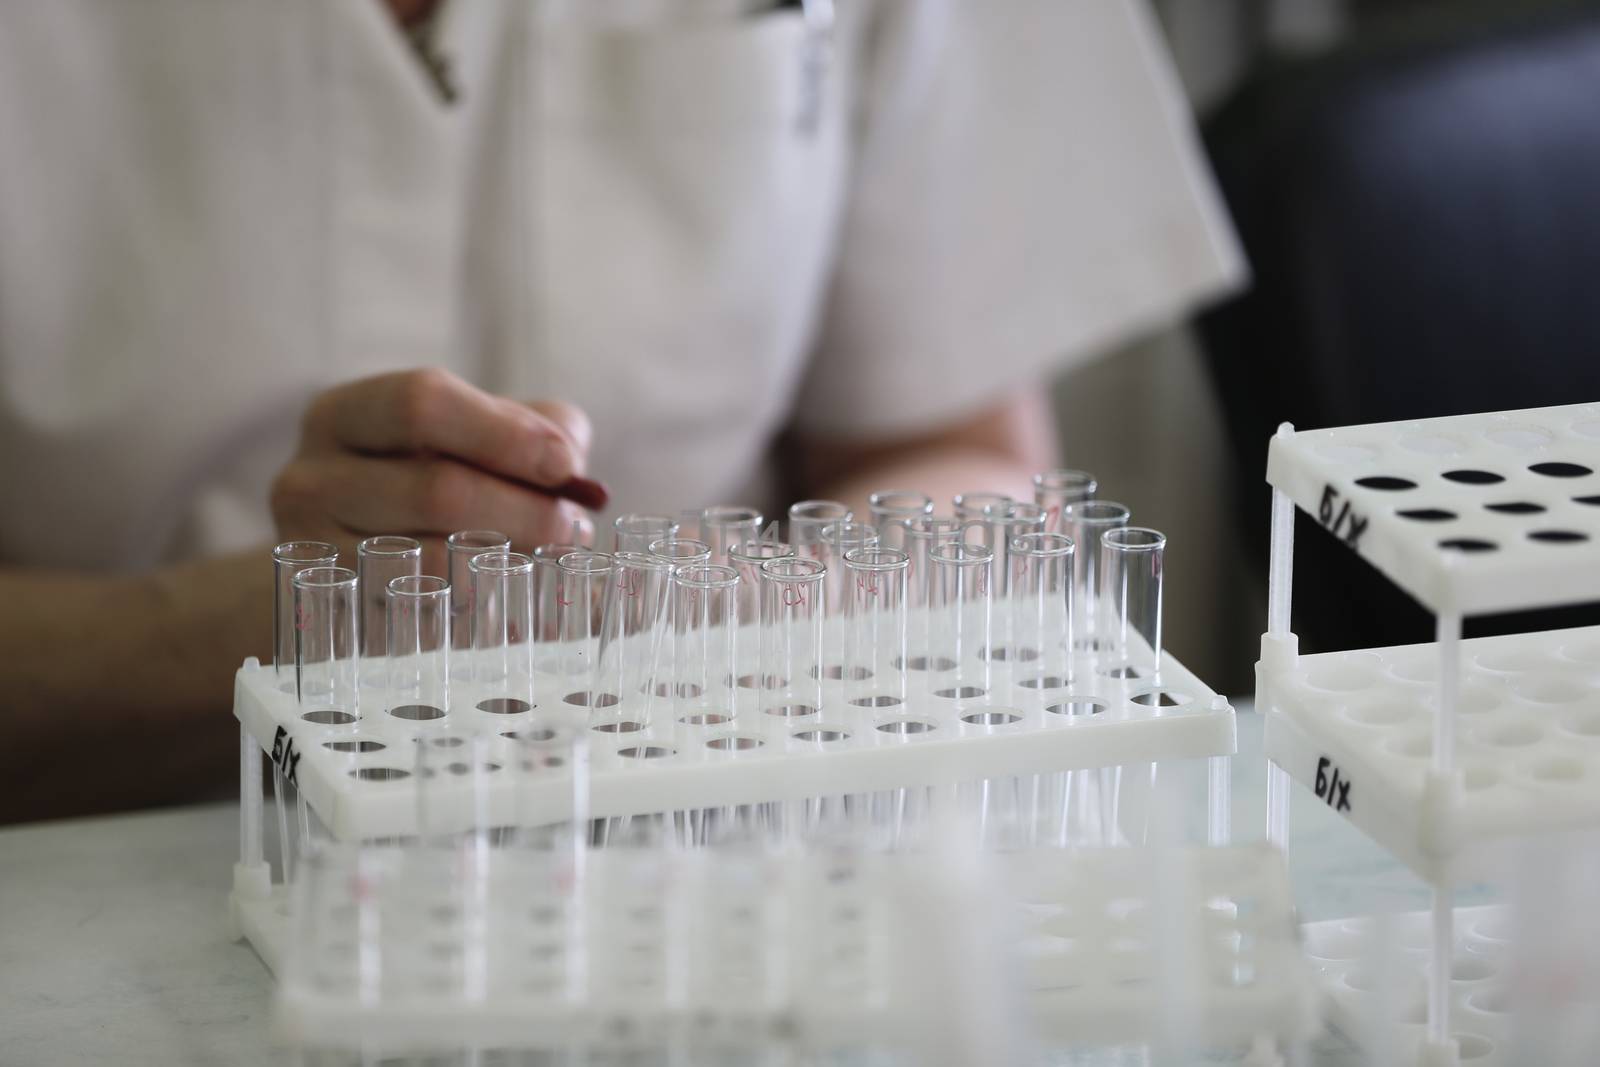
(1062, 545)
(805, 570)
(313, 577)
(959, 502)
(501, 563)
(621, 522)
(570, 562)
(1059, 479)
(803, 510)
(1097, 513)
(855, 559)
(1149, 540)
(566, 549)
(948, 524)
(829, 534)
(727, 577)
(731, 514)
(876, 502)
(1012, 508)
(328, 553)
(966, 554)
(457, 541)
(703, 554)
(379, 547)
(737, 551)
(439, 587)
(645, 561)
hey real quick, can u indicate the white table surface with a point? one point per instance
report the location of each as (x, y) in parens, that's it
(114, 941)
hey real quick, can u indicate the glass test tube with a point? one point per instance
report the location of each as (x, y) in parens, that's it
(1002, 524)
(580, 587)
(890, 508)
(724, 525)
(747, 557)
(807, 520)
(681, 551)
(635, 533)
(379, 561)
(1054, 490)
(1130, 596)
(630, 679)
(419, 647)
(835, 540)
(326, 651)
(288, 560)
(875, 652)
(971, 505)
(462, 546)
(961, 589)
(1041, 606)
(1085, 523)
(546, 584)
(705, 615)
(921, 536)
(502, 630)
(791, 636)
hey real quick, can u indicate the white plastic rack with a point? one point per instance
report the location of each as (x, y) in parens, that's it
(1446, 753)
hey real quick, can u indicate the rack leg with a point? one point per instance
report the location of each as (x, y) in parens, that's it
(249, 800)
(1440, 1046)
(1219, 800)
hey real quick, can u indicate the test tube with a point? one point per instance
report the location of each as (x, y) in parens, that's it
(502, 630)
(462, 546)
(1130, 599)
(681, 551)
(747, 557)
(379, 561)
(890, 508)
(971, 505)
(1002, 524)
(634, 533)
(1041, 605)
(790, 681)
(419, 645)
(921, 536)
(630, 678)
(1085, 523)
(580, 587)
(326, 651)
(546, 584)
(705, 611)
(835, 540)
(962, 605)
(1054, 490)
(288, 560)
(727, 524)
(875, 653)
(806, 522)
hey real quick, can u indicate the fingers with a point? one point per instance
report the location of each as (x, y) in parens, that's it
(432, 410)
(420, 497)
(572, 420)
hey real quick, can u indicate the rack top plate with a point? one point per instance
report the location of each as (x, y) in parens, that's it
(1469, 514)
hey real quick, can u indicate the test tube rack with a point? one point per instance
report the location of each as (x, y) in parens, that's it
(945, 956)
(1447, 754)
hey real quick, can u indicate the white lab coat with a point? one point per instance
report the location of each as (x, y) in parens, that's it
(211, 209)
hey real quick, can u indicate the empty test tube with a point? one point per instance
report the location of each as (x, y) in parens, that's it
(790, 680)
(875, 651)
(379, 561)
(1085, 523)
(971, 505)
(630, 679)
(835, 540)
(921, 536)
(1130, 601)
(546, 583)
(892, 507)
(580, 588)
(327, 653)
(747, 557)
(635, 533)
(1002, 524)
(1054, 490)
(961, 589)
(419, 645)
(502, 630)
(724, 525)
(807, 520)
(681, 551)
(461, 547)
(1041, 607)
(705, 615)
(288, 560)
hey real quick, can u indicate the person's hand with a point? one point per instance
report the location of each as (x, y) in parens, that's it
(423, 453)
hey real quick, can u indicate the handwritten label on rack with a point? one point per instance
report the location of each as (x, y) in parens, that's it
(285, 755)
(1336, 516)
(1331, 787)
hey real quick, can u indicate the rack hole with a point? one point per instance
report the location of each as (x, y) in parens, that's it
(705, 718)
(645, 752)
(791, 711)
(1001, 654)
(1472, 1047)
(1415, 747)
(380, 774)
(1490, 1001)
(1078, 706)
(1386, 483)
(1126, 670)
(417, 712)
(991, 718)
(1433, 444)
(1516, 507)
(734, 744)
(1586, 725)
(1592, 501)
(837, 672)
(1427, 514)
(623, 727)
(925, 663)
(466, 768)
(538, 733)
(905, 726)
(1474, 477)
(1346, 673)
(1468, 544)
(1161, 698)
(1479, 778)
(354, 746)
(1513, 735)
(1520, 436)
(1548, 690)
(1378, 714)
(1561, 771)
(877, 700)
(1470, 969)
(329, 717)
(821, 736)
(504, 706)
(1560, 470)
(1558, 537)
(1047, 681)
(601, 700)
(961, 692)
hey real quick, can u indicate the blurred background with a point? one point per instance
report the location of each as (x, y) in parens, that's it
(1417, 187)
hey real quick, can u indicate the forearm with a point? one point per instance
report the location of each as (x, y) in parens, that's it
(118, 689)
